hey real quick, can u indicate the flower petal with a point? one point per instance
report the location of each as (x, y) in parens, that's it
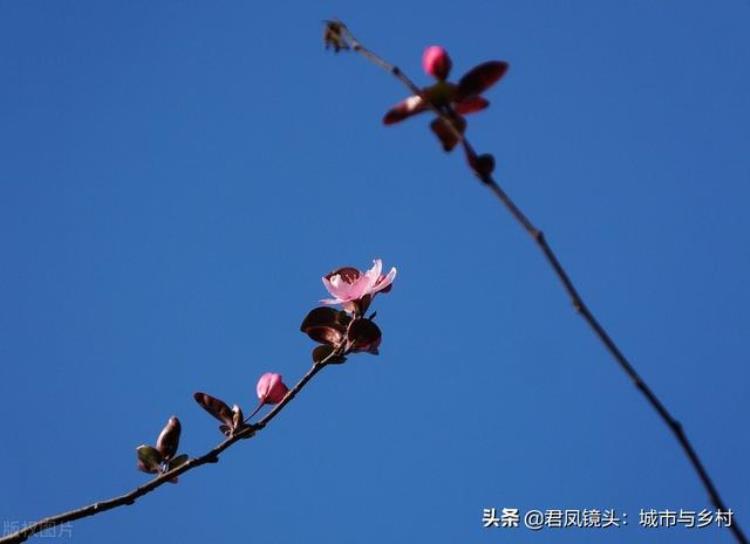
(359, 289)
(332, 285)
(338, 287)
(480, 78)
(373, 274)
(343, 283)
(385, 281)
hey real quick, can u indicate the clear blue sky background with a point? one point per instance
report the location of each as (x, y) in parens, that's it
(176, 177)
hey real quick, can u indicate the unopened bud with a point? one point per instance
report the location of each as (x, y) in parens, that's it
(436, 62)
(169, 438)
(271, 389)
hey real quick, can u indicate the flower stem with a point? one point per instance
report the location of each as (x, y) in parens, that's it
(212, 456)
(257, 409)
(576, 300)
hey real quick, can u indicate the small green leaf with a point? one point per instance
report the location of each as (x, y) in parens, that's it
(178, 461)
(149, 459)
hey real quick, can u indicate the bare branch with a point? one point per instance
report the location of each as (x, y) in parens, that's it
(350, 42)
(210, 457)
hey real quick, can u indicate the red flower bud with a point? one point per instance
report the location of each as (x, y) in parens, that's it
(436, 62)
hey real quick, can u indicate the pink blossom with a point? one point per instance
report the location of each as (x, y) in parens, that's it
(271, 388)
(462, 98)
(436, 62)
(348, 286)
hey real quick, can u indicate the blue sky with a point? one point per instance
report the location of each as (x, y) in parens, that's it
(176, 177)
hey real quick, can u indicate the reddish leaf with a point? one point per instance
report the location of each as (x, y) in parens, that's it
(325, 325)
(365, 336)
(323, 316)
(321, 353)
(480, 78)
(471, 105)
(404, 109)
(216, 407)
(169, 438)
(325, 335)
(445, 134)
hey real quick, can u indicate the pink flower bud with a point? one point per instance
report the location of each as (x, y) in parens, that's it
(270, 388)
(436, 62)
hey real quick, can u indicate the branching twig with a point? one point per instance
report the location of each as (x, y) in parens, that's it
(210, 457)
(342, 38)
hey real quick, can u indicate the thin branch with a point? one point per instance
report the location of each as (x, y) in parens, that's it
(210, 457)
(349, 41)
